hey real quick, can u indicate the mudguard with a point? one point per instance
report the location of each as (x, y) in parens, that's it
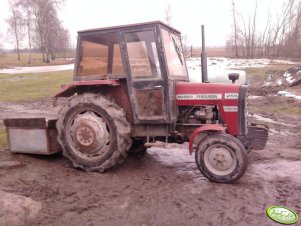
(205, 128)
(71, 88)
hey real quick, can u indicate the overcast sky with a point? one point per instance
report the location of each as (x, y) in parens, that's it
(187, 15)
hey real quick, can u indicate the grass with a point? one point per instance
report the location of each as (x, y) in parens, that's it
(211, 52)
(285, 110)
(261, 72)
(10, 60)
(25, 87)
(3, 140)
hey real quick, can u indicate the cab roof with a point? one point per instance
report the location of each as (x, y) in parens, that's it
(130, 26)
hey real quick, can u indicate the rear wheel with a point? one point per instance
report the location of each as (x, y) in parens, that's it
(221, 158)
(93, 132)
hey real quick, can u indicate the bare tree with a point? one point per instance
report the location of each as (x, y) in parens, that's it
(249, 34)
(64, 43)
(253, 32)
(47, 25)
(168, 16)
(44, 30)
(15, 24)
(235, 29)
(264, 40)
(39, 11)
(292, 39)
(1, 50)
(244, 34)
(281, 35)
(58, 39)
(26, 6)
(280, 28)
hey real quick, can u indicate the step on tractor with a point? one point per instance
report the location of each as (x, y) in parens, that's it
(131, 91)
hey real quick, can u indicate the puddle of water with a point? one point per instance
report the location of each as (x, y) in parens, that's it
(177, 156)
(172, 154)
(276, 169)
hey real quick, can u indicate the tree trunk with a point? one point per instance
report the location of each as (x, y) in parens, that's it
(29, 37)
(16, 34)
(18, 51)
(235, 31)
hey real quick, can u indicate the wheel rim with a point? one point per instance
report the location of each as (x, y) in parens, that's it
(220, 159)
(88, 134)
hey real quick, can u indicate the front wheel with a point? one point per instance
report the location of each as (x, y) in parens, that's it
(221, 158)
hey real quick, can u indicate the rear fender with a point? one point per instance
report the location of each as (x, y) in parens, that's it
(111, 89)
(71, 88)
(204, 129)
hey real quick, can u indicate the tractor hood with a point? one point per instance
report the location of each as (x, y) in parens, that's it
(230, 99)
(189, 93)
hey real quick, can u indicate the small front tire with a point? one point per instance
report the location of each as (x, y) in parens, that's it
(221, 158)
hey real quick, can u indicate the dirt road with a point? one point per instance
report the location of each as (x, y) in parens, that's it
(163, 187)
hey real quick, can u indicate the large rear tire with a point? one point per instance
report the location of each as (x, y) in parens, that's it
(93, 132)
(221, 158)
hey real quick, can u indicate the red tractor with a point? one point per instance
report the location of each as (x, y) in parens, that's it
(131, 89)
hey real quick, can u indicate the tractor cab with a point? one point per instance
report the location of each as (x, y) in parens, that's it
(147, 57)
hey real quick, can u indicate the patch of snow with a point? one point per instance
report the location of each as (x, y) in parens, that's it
(269, 120)
(287, 74)
(244, 63)
(279, 82)
(39, 69)
(217, 71)
(288, 94)
(254, 97)
(220, 67)
(292, 75)
(290, 79)
(266, 84)
(264, 119)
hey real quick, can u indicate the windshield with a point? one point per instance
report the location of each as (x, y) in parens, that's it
(174, 54)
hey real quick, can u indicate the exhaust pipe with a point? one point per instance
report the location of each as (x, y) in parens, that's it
(204, 58)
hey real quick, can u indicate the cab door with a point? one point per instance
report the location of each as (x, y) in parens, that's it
(145, 83)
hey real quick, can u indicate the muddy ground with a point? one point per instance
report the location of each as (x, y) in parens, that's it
(163, 187)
